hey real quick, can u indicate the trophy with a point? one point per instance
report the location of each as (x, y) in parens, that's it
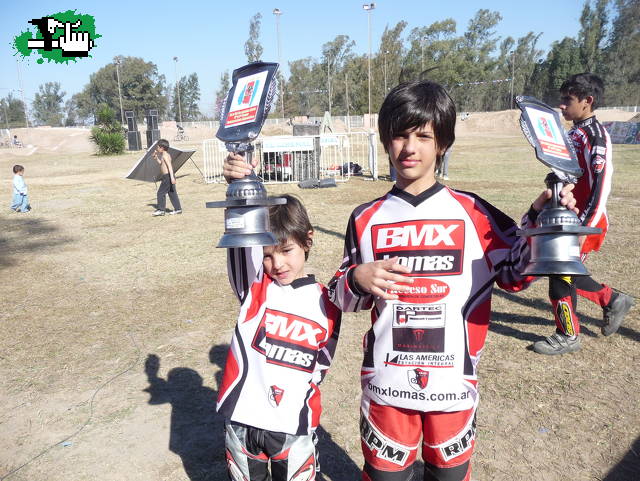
(555, 244)
(246, 215)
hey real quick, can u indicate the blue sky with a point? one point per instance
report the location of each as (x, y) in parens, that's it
(208, 36)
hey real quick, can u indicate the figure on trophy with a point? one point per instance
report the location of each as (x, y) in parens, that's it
(561, 239)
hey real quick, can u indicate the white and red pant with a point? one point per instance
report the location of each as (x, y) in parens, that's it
(249, 451)
(391, 436)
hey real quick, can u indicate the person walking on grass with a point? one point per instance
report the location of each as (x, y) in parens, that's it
(20, 199)
(168, 182)
(580, 95)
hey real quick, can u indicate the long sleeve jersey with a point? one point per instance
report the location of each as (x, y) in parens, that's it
(282, 346)
(593, 147)
(422, 350)
(19, 185)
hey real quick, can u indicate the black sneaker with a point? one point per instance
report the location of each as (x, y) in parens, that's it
(557, 343)
(613, 314)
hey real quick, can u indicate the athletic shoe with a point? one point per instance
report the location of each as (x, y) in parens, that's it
(613, 314)
(557, 343)
(174, 212)
(157, 213)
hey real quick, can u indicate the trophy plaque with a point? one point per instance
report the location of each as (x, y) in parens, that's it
(555, 244)
(246, 215)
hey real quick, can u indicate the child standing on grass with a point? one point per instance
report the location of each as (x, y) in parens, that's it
(281, 348)
(168, 182)
(580, 95)
(424, 259)
(20, 199)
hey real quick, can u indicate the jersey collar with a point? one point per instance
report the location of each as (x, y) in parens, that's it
(303, 281)
(416, 200)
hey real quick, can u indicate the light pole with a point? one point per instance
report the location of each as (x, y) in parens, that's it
(175, 59)
(346, 88)
(24, 102)
(368, 7)
(117, 61)
(513, 66)
(385, 72)
(277, 12)
(329, 81)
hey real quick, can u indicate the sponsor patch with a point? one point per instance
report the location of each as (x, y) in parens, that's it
(420, 360)
(427, 247)
(598, 164)
(383, 447)
(418, 328)
(423, 290)
(275, 395)
(460, 444)
(418, 378)
(288, 340)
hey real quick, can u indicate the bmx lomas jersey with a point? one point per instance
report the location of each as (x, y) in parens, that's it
(423, 349)
(282, 345)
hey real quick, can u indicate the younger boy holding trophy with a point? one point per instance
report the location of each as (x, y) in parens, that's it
(282, 346)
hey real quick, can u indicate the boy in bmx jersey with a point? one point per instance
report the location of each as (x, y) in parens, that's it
(282, 346)
(424, 259)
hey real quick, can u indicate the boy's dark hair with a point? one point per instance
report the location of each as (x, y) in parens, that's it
(17, 168)
(291, 221)
(411, 105)
(583, 85)
(163, 143)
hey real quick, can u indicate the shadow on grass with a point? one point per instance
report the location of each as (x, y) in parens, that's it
(197, 431)
(504, 321)
(24, 234)
(629, 466)
(328, 231)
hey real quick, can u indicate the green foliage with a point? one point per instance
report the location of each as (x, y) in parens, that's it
(186, 104)
(12, 112)
(221, 94)
(107, 135)
(252, 47)
(47, 104)
(141, 85)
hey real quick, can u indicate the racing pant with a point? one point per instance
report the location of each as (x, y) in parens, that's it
(166, 187)
(563, 292)
(249, 450)
(390, 438)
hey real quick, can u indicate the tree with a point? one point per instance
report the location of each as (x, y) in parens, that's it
(189, 98)
(221, 94)
(335, 54)
(141, 85)
(107, 134)
(12, 111)
(47, 104)
(592, 34)
(252, 47)
(621, 60)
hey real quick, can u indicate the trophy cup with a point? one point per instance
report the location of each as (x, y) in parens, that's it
(555, 244)
(246, 215)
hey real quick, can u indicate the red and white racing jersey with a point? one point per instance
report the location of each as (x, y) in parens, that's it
(282, 345)
(423, 349)
(593, 146)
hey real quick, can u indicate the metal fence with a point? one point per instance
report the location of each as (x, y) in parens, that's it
(628, 108)
(297, 158)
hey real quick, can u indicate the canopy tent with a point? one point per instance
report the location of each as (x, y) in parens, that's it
(147, 168)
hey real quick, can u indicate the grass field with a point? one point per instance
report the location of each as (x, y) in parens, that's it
(115, 327)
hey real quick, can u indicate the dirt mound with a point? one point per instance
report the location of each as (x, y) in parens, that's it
(635, 118)
(69, 140)
(480, 123)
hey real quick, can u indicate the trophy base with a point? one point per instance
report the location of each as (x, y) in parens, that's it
(247, 240)
(556, 268)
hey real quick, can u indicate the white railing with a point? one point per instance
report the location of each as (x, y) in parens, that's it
(297, 158)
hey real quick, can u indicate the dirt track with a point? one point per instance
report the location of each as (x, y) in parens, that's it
(115, 326)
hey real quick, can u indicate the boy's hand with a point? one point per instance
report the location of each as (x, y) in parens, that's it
(236, 167)
(566, 199)
(376, 277)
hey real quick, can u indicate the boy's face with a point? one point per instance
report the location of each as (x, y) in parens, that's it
(413, 153)
(575, 109)
(284, 262)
